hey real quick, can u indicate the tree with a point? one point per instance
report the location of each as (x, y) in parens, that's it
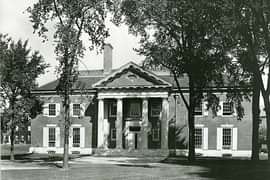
(246, 23)
(72, 19)
(19, 70)
(183, 36)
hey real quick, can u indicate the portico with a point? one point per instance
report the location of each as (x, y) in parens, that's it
(123, 117)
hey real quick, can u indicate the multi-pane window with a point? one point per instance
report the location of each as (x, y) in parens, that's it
(51, 137)
(134, 109)
(198, 138)
(76, 137)
(52, 109)
(113, 134)
(227, 108)
(155, 134)
(155, 109)
(226, 138)
(112, 109)
(198, 109)
(76, 109)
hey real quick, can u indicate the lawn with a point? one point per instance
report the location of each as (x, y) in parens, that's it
(19, 149)
(171, 168)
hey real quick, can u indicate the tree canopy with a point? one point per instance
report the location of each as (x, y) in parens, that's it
(19, 70)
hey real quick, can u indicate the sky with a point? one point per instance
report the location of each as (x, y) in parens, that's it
(14, 21)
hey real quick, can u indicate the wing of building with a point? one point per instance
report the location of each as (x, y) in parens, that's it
(134, 111)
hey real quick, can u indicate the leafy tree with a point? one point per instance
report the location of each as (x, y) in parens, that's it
(183, 36)
(72, 18)
(19, 70)
(246, 27)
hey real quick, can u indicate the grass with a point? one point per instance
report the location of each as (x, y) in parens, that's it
(19, 149)
(170, 168)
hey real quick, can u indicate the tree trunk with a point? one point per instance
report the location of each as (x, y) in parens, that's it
(255, 121)
(266, 100)
(66, 132)
(12, 144)
(191, 123)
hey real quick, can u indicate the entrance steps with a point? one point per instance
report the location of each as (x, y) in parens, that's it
(131, 152)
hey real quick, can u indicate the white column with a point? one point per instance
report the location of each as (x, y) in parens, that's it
(100, 123)
(164, 123)
(119, 124)
(144, 134)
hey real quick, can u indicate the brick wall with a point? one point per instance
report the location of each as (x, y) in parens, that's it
(41, 121)
(244, 126)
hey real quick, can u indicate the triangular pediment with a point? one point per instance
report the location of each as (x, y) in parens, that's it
(131, 75)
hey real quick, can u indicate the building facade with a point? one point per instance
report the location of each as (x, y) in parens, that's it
(131, 109)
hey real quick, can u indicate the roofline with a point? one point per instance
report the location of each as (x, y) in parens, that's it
(125, 67)
(76, 91)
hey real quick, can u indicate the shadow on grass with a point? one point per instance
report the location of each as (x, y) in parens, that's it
(42, 159)
(224, 168)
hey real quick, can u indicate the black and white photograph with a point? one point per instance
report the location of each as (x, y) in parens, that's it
(135, 89)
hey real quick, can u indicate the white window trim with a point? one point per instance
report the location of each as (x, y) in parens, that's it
(234, 138)
(49, 110)
(55, 136)
(82, 136)
(72, 110)
(230, 115)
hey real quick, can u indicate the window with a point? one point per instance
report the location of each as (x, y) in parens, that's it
(226, 138)
(155, 134)
(113, 134)
(155, 109)
(51, 137)
(76, 109)
(227, 108)
(76, 137)
(198, 138)
(134, 109)
(112, 109)
(52, 109)
(198, 109)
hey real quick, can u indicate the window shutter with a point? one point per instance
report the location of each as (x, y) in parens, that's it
(219, 138)
(220, 111)
(82, 109)
(71, 110)
(234, 139)
(57, 138)
(82, 137)
(46, 109)
(71, 137)
(45, 136)
(205, 138)
(205, 111)
(57, 107)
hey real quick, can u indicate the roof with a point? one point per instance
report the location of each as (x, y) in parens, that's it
(95, 79)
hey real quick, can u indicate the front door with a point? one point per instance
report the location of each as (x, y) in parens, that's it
(132, 140)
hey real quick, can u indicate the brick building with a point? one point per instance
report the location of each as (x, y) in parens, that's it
(133, 110)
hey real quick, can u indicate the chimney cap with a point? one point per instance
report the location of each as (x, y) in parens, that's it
(108, 44)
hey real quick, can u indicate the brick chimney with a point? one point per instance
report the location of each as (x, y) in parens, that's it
(107, 59)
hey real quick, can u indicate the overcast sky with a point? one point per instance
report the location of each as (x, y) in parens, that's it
(14, 20)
